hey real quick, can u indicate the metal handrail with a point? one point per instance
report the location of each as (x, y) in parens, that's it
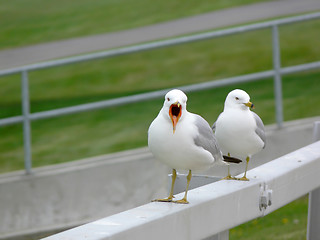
(159, 44)
(211, 207)
(157, 94)
(276, 73)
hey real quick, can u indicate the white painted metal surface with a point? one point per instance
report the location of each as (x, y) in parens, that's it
(213, 208)
(313, 230)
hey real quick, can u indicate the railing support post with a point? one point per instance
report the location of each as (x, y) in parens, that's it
(277, 76)
(220, 236)
(313, 230)
(26, 121)
(198, 181)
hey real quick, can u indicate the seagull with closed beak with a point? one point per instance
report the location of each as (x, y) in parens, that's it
(240, 132)
(182, 140)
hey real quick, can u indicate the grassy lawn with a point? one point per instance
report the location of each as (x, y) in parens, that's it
(109, 130)
(98, 132)
(35, 21)
(287, 223)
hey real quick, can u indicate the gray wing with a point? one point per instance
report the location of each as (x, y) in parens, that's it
(206, 139)
(214, 125)
(260, 128)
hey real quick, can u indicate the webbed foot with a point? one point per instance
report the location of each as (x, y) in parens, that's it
(181, 201)
(162, 200)
(243, 179)
(229, 177)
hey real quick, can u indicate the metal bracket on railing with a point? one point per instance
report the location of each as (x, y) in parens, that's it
(265, 197)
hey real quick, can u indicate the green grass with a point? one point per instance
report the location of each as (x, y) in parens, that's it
(35, 21)
(98, 132)
(287, 223)
(109, 130)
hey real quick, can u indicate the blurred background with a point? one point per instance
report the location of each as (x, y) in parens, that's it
(33, 25)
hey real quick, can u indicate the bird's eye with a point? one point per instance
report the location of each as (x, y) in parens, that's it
(168, 99)
(237, 98)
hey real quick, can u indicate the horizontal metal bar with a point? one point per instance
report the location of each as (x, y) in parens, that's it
(149, 96)
(159, 44)
(215, 207)
(159, 94)
(138, 97)
(11, 120)
(300, 68)
(98, 105)
(227, 81)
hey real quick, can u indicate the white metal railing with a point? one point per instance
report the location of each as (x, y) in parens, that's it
(276, 73)
(214, 208)
(313, 231)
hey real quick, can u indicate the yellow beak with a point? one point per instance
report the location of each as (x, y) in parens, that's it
(249, 104)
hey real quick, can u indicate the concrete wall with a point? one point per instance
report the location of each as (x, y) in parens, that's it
(70, 194)
(66, 195)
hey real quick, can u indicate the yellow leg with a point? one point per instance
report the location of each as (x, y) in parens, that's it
(169, 199)
(244, 178)
(184, 199)
(229, 177)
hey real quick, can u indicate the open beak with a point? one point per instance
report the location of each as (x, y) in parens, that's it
(175, 114)
(249, 104)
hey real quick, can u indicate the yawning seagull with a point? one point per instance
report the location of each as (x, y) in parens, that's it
(239, 131)
(182, 140)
